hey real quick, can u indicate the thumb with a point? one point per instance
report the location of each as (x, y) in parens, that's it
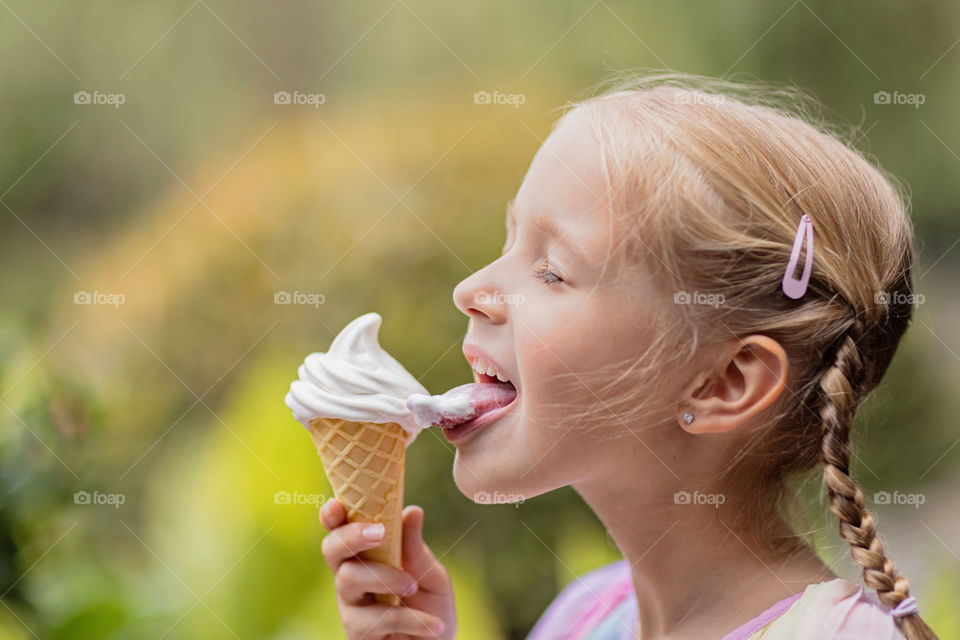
(418, 560)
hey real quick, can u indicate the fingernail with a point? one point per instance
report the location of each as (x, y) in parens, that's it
(411, 589)
(372, 532)
(438, 627)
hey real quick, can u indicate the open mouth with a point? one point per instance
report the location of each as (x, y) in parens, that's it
(485, 379)
(493, 396)
(493, 389)
(470, 406)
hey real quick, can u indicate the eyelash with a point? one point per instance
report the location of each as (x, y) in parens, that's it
(546, 275)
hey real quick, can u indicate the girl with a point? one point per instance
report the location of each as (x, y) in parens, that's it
(679, 365)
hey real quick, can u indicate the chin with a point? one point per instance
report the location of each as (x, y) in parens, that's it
(479, 482)
(499, 485)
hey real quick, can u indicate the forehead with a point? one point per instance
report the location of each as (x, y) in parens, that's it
(565, 183)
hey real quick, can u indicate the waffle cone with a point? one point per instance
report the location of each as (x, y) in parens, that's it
(364, 463)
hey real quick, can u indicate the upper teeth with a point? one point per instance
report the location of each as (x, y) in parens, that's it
(483, 367)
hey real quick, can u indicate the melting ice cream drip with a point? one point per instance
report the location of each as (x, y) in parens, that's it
(460, 404)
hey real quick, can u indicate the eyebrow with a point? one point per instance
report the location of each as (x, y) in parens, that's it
(548, 227)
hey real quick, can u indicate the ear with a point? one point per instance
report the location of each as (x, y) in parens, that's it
(753, 375)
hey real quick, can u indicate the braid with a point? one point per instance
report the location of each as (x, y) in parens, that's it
(840, 387)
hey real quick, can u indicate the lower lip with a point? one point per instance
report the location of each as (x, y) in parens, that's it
(457, 433)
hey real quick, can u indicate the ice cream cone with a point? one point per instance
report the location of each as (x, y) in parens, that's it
(364, 463)
(352, 400)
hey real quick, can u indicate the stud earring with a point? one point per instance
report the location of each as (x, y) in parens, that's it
(687, 417)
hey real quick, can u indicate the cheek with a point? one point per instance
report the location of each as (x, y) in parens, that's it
(558, 358)
(570, 360)
(572, 343)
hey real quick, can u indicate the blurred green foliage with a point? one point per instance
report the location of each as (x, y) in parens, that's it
(199, 198)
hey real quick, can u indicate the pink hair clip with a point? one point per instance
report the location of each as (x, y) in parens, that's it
(791, 286)
(907, 606)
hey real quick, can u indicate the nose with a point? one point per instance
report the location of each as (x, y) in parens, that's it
(478, 297)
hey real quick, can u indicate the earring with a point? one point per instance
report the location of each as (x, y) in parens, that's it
(687, 417)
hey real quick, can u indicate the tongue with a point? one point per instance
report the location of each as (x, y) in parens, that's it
(488, 396)
(460, 404)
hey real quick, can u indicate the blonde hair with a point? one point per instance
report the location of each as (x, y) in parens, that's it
(709, 179)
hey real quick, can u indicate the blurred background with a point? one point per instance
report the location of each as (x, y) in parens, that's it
(197, 193)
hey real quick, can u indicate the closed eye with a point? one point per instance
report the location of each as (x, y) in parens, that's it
(543, 272)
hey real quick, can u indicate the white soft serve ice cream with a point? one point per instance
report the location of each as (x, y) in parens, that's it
(355, 380)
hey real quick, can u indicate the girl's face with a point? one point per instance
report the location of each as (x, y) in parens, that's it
(551, 307)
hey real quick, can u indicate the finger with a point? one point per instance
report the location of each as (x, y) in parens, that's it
(332, 514)
(376, 620)
(356, 579)
(348, 540)
(418, 560)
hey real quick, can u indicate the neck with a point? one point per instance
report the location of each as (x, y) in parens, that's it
(694, 573)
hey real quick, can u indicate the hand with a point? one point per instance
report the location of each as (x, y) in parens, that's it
(427, 607)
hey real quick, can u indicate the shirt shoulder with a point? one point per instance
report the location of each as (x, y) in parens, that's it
(594, 594)
(837, 609)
